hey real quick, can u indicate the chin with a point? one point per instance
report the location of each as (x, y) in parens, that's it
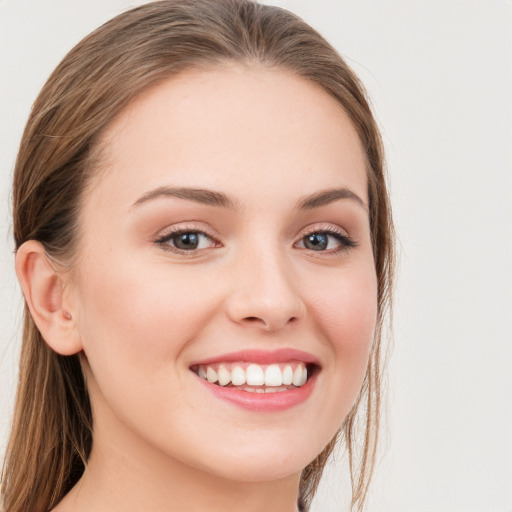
(262, 469)
(272, 458)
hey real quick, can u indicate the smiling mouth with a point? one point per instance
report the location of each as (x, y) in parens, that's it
(256, 378)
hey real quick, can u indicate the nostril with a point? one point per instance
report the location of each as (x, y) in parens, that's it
(256, 320)
(269, 323)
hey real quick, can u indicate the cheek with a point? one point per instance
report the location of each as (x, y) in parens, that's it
(346, 303)
(352, 323)
(137, 323)
(347, 313)
(139, 316)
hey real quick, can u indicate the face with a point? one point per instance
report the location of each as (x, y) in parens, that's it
(225, 256)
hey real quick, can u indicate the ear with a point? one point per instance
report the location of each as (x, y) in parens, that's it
(43, 288)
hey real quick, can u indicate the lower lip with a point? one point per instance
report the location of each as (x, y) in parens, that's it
(263, 402)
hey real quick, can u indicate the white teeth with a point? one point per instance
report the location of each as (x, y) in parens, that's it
(304, 376)
(273, 376)
(297, 376)
(224, 376)
(287, 375)
(276, 389)
(237, 376)
(211, 375)
(255, 375)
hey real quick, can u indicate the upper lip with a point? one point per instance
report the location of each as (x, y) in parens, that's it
(259, 356)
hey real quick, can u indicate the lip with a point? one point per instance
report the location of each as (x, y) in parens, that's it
(262, 402)
(282, 355)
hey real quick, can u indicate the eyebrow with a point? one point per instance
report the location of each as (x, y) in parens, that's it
(325, 197)
(219, 199)
(198, 195)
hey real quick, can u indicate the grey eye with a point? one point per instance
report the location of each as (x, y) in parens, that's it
(331, 241)
(186, 240)
(316, 241)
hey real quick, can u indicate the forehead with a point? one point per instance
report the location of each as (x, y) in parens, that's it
(243, 129)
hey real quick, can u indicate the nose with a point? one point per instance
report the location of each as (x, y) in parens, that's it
(264, 294)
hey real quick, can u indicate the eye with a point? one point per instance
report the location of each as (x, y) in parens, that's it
(328, 240)
(186, 240)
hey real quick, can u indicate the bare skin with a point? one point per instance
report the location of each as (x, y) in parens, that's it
(283, 266)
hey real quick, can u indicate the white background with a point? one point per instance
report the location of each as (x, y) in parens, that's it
(440, 76)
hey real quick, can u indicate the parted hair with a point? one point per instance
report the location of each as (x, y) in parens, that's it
(52, 429)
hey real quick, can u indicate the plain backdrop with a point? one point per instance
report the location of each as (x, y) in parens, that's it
(439, 73)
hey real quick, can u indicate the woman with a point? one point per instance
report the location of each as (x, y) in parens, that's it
(204, 243)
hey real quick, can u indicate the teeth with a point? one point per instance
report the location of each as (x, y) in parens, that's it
(237, 376)
(304, 376)
(224, 376)
(287, 375)
(276, 389)
(299, 376)
(273, 378)
(211, 375)
(255, 375)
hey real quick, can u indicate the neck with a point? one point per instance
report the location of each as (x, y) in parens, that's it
(124, 474)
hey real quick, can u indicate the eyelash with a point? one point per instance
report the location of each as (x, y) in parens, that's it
(345, 241)
(167, 237)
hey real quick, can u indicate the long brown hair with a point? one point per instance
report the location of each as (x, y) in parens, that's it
(52, 432)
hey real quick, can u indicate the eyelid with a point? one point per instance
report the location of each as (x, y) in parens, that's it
(344, 238)
(168, 233)
(324, 228)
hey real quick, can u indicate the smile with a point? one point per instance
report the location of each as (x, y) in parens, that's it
(255, 378)
(260, 381)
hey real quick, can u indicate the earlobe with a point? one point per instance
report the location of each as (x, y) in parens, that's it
(43, 289)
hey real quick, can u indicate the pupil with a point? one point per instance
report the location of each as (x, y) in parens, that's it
(316, 241)
(187, 241)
